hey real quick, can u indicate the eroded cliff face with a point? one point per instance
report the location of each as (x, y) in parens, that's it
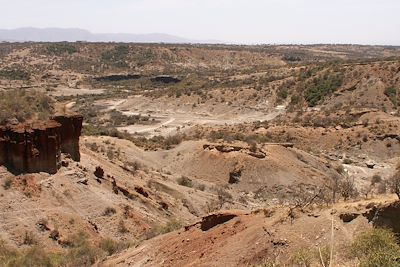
(71, 128)
(37, 147)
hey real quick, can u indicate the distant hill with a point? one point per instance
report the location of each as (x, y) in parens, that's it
(73, 35)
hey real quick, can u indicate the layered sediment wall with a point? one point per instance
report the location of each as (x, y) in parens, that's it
(37, 147)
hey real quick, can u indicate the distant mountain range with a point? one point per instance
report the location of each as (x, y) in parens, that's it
(73, 35)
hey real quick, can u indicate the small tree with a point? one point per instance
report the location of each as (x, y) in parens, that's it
(347, 188)
(394, 182)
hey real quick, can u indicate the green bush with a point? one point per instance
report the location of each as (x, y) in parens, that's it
(23, 105)
(321, 87)
(391, 93)
(110, 246)
(282, 93)
(169, 227)
(376, 248)
(185, 181)
(60, 49)
(79, 252)
(303, 257)
(14, 74)
(116, 56)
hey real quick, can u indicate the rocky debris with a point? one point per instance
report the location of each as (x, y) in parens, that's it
(95, 227)
(37, 147)
(348, 217)
(388, 135)
(117, 78)
(213, 220)
(55, 235)
(165, 79)
(280, 242)
(223, 148)
(64, 163)
(386, 216)
(43, 225)
(164, 205)
(83, 181)
(99, 172)
(258, 153)
(370, 164)
(124, 191)
(234, 176)
(114, 186)
(141, 191)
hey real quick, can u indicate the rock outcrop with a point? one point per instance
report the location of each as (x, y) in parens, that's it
(224, 148)
(117, 78)
(71, 128)
(165, 79)
(385, 216)
(37, 147)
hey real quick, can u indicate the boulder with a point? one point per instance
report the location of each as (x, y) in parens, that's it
(99, 172)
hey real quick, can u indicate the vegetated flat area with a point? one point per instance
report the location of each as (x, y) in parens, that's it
(213, 155)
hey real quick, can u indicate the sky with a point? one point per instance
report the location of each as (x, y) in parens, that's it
(235, 21)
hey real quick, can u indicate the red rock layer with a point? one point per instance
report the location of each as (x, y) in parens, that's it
(71, 128)
(37, 147)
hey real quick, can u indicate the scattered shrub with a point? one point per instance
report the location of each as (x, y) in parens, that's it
(29, 239)
(7, 183)
(376, 248)
(321, 87)
(391, 93)
(14, 74)
(394, 182)
(122, 227)
(185, 181)
(168, 227)
(61, 48)
(376, 179)
(21, 105)
(303, 257)
(110, 246)
(109, 211)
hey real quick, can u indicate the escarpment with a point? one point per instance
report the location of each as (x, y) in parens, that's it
(37, 147)
(71, 127)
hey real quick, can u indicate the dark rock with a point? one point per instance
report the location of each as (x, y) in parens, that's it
(99, 172)
(348, 217)
(258, 154)
(165, 79)
(370, 164)
(55, 235)
(386, 216)
(213, 220)
(117, 78)
(234, 176)
(164, 205)
(64, 163)
(141, 191)
(83, 181)
(114, 186)
(37, 147)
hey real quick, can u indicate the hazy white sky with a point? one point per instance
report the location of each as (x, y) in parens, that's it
(246, 21)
